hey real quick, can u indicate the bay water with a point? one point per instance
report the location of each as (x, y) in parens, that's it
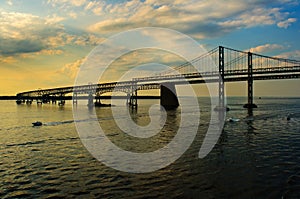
(257, 158)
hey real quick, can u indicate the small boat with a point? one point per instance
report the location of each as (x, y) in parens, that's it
(37, 123)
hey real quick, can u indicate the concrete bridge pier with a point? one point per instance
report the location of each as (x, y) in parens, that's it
(133, 100)
(53, 100)
(19, 101)
(168, 96)
(128, 99)
(61, 100)
(90, 100)
(29, 101)
(98, 101)
(75, 98)
(39, 100)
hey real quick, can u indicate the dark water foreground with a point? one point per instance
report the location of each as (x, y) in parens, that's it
(253, 159)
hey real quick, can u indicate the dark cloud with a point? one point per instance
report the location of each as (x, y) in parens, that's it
(11, 46)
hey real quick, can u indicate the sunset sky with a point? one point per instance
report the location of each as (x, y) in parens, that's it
(43, 42)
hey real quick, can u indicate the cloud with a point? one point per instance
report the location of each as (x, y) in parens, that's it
(290, 55)
(286, 23)
(54, 19)
(267, 48)
(96, 7)
(48, 52)
(7, 59)
(9, 2)
(255, 17)
(76, 3)
(71, 69)
(73, 15)
(201, 19)
(22, 33)
(25, 33)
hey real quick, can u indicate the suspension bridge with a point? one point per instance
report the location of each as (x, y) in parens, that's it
(231, 66)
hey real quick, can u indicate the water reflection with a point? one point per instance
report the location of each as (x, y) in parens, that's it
(169, 126)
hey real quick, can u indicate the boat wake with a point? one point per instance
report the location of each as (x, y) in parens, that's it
(68, 122)
(57, 123)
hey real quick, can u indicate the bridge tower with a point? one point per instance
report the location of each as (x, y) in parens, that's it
(221, 107)
(250, 105)
(221, 73)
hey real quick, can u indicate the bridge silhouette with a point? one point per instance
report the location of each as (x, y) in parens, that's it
(232, 66)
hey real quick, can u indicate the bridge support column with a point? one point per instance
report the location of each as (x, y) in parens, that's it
(128, 99)
(45, 99)
(39, 100)
(98, 101)
(133, 96)
(90, 101)
(250, 105)
(29, 101)
(75, 98)
(53, 99)
(168, 96)
(19, 101)
(61, 100)
(221, 106)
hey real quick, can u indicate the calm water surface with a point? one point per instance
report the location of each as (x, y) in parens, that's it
(252, 159)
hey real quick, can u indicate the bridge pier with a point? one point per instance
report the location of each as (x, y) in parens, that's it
(168, 96)
(39, 100)
(128, 99)
(250, 105)
(75, 98)
(90, 100)
(61, 100)
(133, 96)
(53, 100)
(98, 101)
(45, 99)
(29, 101)
(19, 101)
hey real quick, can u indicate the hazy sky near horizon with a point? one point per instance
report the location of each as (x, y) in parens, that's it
(44, 42)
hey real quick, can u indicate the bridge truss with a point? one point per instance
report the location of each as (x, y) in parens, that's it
(220, 64)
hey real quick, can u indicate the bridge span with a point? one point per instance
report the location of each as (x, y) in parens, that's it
(233, 65)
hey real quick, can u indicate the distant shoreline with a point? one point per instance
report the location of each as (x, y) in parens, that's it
(8, 97)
